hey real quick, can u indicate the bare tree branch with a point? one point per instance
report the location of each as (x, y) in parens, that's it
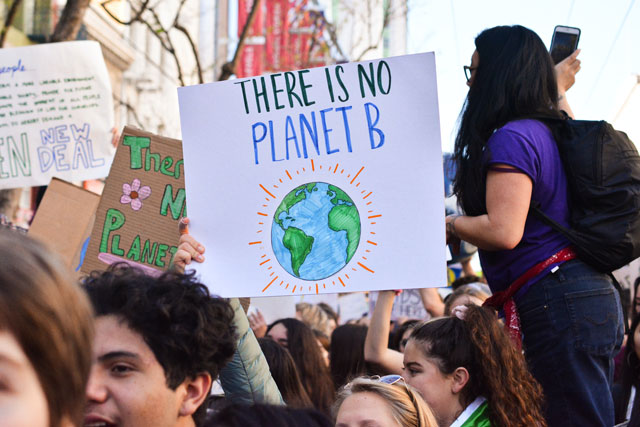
(229, 68)
(70, 21)
(130, 109)
(386, 18)
(136, 17)
(9, 20)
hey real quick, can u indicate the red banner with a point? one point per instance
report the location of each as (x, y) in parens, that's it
(251, 62)
(277, 35)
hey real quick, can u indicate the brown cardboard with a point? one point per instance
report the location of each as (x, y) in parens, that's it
(146, 237)
(64, 220)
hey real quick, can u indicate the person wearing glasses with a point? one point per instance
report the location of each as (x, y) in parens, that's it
(381, 402)
(570, 318)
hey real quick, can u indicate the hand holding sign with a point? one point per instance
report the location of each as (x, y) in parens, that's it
(189, 249)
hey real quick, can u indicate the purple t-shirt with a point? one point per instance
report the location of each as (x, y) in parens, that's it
(529, 146)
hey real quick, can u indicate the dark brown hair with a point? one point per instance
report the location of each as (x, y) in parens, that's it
(313, 371)
(285, 374)
(497, 370)
(52, 321)
(346, 354)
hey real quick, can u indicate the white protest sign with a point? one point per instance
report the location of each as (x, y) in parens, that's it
(56, 114)
(317, 181)
(408, 304)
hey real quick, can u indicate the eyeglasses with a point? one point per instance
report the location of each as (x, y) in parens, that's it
(390, 379)
(468, 70)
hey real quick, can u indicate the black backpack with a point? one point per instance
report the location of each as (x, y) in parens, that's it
(603, 173)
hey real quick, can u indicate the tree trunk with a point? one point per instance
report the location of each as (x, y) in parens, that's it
(9, 21)
(70, 21)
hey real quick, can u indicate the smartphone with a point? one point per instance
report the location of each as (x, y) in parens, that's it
(564, 42)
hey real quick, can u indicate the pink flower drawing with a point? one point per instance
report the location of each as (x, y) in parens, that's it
(134, 194)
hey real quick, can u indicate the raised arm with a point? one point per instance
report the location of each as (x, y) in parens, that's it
(246, 378)
(566, 71)
(376, 344)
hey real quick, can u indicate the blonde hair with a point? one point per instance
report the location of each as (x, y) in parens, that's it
(407, 406)
(314, 317)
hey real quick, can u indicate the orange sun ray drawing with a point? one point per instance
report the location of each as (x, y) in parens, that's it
(317, 220)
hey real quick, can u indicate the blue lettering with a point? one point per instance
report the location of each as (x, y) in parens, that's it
(289, 127)
(372, 125)
(273, 146)
(257, 140)
(326, 131)
(313, 134)
(347, 131)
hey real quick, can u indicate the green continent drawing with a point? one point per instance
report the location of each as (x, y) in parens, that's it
(316, 231)
(299, 244)
(344, 217)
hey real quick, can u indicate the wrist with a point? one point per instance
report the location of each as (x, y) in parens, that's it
(451, 226)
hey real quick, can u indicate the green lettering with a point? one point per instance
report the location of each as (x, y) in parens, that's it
(156, 161)
(176, 170)
(167, 162)
(115, 246)
(114, 219)
(304, 87)
(134, 251)
(362, 74)
(136, 144)
(162, 251)
(276, 90)
(148, 253)
(177, 205)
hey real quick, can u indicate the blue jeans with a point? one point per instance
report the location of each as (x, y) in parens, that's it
(572, 328)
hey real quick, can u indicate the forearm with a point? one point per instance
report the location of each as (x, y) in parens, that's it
(432, 302)
(376, 344)
(486, 234)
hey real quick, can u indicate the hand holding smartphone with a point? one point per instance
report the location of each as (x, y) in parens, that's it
(564, 42)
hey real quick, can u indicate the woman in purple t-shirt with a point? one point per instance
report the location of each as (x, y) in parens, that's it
(568, 314)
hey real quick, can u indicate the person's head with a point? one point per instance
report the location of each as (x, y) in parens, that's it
(237, 415)
(46, 329)
(370, 401)
(285, 374)
(451, 362)
(314, 317)
(305, 351)
(465, 294)
(636, 298)
(630, 370)
(513, 77)
(401, 334)
(334, 319)
(160, 342)
(346, 355)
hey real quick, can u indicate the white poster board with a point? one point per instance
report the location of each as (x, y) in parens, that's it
(317, 181)
(56, 114)
(408, 304)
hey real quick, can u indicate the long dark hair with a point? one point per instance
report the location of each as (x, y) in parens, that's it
(514, 79)
(630, 373)
(285, 374)
(497, 370)
(313, 371)
(346, 353)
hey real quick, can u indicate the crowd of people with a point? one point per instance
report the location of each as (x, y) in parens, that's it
(123, 348)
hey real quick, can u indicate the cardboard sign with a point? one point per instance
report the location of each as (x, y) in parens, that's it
(407, 304)
(142, 202)
(64, 221)
(56, 114)
(317, 181)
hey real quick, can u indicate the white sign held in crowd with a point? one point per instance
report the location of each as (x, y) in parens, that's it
(408, 304)
(56, 114)
(317, 181)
